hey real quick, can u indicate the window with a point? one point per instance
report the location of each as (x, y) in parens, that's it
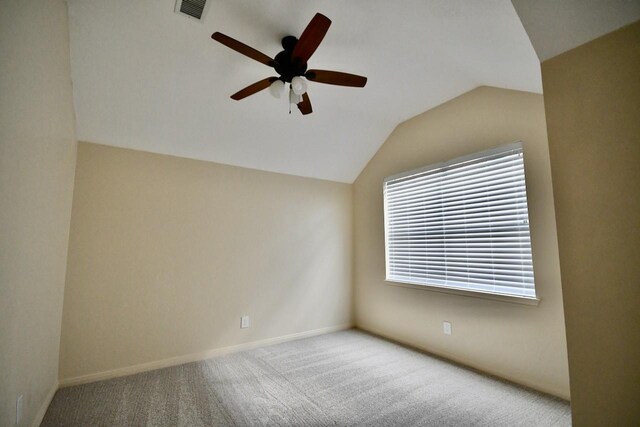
(462, 224)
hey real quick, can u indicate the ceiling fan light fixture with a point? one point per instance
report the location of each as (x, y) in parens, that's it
(291, 65)
(298, 85)
(276, 89)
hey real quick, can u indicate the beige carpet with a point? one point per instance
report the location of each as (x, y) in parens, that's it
(344, 378)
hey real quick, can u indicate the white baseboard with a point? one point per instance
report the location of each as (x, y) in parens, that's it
(180, 360)
(45, 405)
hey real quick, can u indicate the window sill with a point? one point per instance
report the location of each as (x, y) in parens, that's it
(473, 294)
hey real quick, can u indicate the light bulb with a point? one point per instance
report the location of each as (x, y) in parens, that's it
(277, 88)
(299, 85)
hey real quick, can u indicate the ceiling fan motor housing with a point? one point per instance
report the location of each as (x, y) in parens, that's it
(286, 65)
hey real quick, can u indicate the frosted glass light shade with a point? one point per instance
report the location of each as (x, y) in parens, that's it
(294, 98)
(299, 85)
(276, 89)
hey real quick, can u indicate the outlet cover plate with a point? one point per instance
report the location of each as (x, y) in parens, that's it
(244, 322)
(446, 327)
(19, 409)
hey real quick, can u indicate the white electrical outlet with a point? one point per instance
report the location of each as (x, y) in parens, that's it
(18, 410)
(446, 327)
(244, 322)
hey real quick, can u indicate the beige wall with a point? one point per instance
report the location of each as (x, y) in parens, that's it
(37, 160)
(592, 102)
(166, 254)
(523, 343)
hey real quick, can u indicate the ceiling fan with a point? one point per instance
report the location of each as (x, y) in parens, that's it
(291, 65)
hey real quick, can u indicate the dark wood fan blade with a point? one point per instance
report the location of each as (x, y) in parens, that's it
(336, 78)
(305, 105)
(243, 49)
(311, 38)
(254, 88)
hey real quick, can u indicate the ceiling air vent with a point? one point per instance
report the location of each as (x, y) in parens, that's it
(192, 8)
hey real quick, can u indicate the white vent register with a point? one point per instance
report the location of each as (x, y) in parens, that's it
(191, 8)
(462, 224)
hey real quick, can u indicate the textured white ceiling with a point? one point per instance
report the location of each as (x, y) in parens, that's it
(558, 26)
(147, 78)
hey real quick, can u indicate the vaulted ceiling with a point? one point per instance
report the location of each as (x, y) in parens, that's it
(147, 78)
(558, 26)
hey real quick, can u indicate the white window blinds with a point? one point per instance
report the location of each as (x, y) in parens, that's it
(462, 224)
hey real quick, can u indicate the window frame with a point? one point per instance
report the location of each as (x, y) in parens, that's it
(519, 299)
